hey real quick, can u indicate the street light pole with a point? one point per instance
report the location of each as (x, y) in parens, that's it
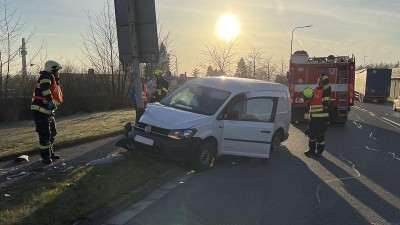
(291, 41)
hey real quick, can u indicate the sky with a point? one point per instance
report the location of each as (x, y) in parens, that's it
(369, 29)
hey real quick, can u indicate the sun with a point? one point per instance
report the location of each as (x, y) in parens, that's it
(228, 27)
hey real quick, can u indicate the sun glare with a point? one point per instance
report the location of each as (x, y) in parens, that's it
(228, 27)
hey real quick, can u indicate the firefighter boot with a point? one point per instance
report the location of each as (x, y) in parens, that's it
(311, 147)
(310, 153)
(53, 155)
(320, 148)
(45, 154)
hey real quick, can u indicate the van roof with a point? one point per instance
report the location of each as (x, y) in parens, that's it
(238, 85)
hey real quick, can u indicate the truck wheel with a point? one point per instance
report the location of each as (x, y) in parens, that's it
(276, 141)
(204, 156)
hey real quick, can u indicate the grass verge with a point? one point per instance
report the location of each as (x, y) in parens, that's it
(21, 138)
(63, 198)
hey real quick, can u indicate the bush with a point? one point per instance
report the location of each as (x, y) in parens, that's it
(81, 93)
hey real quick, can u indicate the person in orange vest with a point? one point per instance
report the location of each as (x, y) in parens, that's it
(139, 112)
(319, 115)
(47, 95)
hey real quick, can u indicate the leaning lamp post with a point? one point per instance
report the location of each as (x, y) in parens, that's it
(291, 41)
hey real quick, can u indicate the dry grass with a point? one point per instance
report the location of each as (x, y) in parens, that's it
(63, 198)
(20, 137)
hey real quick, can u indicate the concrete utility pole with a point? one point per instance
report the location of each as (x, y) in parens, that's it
(23, 54)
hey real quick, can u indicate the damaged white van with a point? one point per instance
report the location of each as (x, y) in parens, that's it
(212, 116)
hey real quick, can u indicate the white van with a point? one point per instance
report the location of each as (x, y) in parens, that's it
(212, 116)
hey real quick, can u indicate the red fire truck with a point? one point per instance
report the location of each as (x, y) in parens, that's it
(304, 71)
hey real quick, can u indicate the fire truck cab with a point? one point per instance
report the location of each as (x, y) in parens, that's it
(304, 72)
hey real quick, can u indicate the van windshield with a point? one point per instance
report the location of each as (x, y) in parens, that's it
(197, 99)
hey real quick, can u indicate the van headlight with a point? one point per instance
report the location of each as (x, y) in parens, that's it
(182, 133)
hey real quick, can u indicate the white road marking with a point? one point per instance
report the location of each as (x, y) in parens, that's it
(358, 125)
(337, 179)
(398, 124)
(372, 137)
(393, 154)
(372, 149)
(391, 123)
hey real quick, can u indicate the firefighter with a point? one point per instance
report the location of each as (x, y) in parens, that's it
(162, 86)
(327, 88)
(319, 115)
(47, 95)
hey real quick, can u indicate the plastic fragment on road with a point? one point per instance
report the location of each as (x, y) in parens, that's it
(16, 175)
(22, 159)
(107, 160)
(7, 195)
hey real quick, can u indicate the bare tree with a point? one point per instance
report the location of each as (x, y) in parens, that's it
(270, 69)
(254, 61)
(220, 55)
(11, 29)
(100, 46)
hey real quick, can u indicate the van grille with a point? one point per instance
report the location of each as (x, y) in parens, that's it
(154, 129)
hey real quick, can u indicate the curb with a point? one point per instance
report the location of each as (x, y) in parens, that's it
(101, 215)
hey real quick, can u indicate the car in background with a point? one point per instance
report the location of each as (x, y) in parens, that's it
(396, 104)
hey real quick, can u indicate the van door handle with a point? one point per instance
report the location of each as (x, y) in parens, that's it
(266, 131)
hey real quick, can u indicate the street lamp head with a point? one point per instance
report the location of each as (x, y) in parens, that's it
(291, 41)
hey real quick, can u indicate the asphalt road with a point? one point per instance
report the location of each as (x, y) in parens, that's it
(357, 181)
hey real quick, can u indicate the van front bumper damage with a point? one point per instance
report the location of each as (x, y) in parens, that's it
(158, 144)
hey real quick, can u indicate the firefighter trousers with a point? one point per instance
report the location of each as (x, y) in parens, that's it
(316, 132)
(46, 129)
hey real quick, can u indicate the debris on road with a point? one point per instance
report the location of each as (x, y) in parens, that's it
(110, 159)
(16, 175)
(22, 159)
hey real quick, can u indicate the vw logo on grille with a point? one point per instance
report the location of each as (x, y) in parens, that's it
(147, 129)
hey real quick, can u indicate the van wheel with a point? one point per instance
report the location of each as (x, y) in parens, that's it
(276, 141)
(204, 156)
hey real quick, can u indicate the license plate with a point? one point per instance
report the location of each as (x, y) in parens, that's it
(143, 140)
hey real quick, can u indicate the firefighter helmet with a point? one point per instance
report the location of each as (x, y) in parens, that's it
(308, 92)
(157, 72)
(52, 66)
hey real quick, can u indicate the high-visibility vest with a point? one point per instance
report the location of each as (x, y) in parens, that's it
(316, 107)
(56, 95)
(144, 94)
